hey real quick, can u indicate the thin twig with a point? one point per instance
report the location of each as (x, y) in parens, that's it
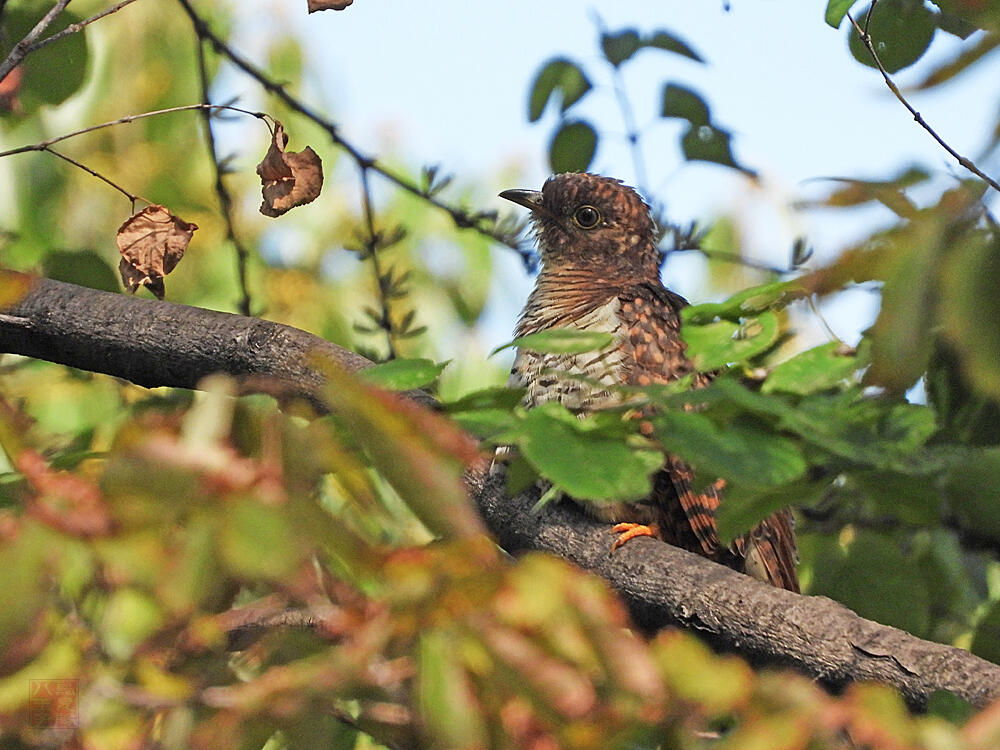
(225, 199)
(631, 129)
(479, 222)
(962, 160)
(372, 248)
(21, 48)
(44, 145)
(133, 198)
(75, 27)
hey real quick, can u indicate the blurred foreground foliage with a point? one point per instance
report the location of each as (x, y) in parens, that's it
(229, 576)
(214, 572)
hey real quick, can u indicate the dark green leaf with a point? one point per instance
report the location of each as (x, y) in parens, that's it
(745, 506)
(573, 147)
(667, 41)
(682, 102)
(621, 46)
(53, 73)
(560, 341)
(813, 370)
(403, 374)
(949, 706)
(973, 491)
(557, 75)
(498, 397)
(584, 463)
(709, 143)
(83, 267)
(871, 575)
(986, 639)
(742, 453)
(901, 31)
(718, 344)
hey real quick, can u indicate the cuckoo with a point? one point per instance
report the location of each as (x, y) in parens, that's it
(600, 271)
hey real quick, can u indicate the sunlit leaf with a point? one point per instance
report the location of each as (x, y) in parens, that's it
(586, 464)
(771, 296)
(836, 10)
(718, 344)
(403, 374)
(813, 370)
(560, 341)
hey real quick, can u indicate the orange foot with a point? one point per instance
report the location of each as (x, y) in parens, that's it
(631, 531)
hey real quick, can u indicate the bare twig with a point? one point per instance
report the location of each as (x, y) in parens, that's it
(480, 222)
(225, 199)
(372, 248)
(132, 197)
(44, 145)
(962, 160)
(75, 27)
(21, 48)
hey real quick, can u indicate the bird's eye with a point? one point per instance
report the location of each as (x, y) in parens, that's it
(587, 217)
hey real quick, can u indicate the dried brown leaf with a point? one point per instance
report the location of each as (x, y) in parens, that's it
(315, 5)
(288, 178)
(151, 242)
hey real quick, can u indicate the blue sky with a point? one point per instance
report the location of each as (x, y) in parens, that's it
(446, 81)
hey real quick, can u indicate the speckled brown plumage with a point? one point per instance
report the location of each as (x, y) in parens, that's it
(600, 271)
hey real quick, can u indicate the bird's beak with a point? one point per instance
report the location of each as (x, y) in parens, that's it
(530, 199)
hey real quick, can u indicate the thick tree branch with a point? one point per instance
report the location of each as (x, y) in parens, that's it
(162, 344)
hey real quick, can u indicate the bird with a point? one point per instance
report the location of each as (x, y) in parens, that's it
(600, 271)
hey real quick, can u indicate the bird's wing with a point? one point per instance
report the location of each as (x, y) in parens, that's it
(651, 315)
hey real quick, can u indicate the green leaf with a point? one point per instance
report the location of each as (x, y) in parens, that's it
(666, 41)
(129, 618)
(970, 309)
(258, 541)
(686, 104)
(584, 463)
(746, 506)
(740, 452)
(813, 370)
(573, 147)
(621, 46)
(986, 639)
(557, 75)
(901, 31)
(448, 708)
(709, 143)
(83, 267)
(973, 491)
(871, 575)
(53, 73)
(774, 295)
(718, 344)
(560, 341)
(949, 706)
(497, 397)
(836, 10)
(403, 374)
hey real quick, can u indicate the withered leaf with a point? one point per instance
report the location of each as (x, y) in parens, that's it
(151, 242)
(315, 5)
(288, 179)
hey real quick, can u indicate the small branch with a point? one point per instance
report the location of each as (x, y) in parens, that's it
(478, 222)
(962, 160)
(21, 48)
(372, 248)
(225, 199)
(44, 145)
(133, 198)
(75, 27)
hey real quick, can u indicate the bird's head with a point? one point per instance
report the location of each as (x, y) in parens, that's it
(591, 221)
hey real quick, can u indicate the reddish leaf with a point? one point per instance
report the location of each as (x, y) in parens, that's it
(288, 179)
(64, 501)
(151, 242)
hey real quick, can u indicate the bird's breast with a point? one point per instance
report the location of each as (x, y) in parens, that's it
(577, 381)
